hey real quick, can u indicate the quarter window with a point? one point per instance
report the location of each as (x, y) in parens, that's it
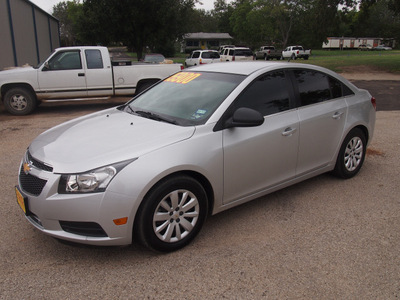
(267, 94)
(93, 59)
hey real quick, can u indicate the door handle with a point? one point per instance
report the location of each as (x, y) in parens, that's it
(288, 131)
(81, 74)
(337, 115)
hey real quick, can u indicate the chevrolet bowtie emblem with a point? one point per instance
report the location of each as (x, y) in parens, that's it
(27, 168)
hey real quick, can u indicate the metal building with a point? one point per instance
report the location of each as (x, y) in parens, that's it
(28, 33)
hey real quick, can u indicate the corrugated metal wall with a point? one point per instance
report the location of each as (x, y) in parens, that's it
(28, 34)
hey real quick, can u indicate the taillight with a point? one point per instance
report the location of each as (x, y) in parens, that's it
(298, 52)
(182, 67)
(233, 58)
(200, 62)
(373, 101)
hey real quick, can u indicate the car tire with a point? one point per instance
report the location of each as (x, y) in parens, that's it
(351, 155)
(293, 57)
(172, 214)
(20, 101)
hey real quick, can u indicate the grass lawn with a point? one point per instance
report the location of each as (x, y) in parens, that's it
(388, 61)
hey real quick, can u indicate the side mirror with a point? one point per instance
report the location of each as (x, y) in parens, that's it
(46, 66)
(245, 117)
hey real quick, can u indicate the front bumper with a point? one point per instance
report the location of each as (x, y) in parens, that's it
(82, 218)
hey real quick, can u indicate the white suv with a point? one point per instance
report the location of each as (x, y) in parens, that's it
(237, 54)
(200, 57)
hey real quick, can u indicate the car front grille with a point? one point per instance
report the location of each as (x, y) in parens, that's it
(38, 164)
(31, 184)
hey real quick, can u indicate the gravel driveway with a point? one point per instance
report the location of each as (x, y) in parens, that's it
(324, 238)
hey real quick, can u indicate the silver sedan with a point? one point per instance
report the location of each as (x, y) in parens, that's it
(197, 143)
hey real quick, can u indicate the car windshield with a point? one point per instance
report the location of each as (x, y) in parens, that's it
(185, 98)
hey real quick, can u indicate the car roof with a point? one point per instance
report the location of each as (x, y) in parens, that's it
(249, 67)
(208, 50)
(241, 68)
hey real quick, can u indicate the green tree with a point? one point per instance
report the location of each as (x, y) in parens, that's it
(69, 13)
(136, 23)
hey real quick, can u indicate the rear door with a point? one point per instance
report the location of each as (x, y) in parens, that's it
(98, 74)
(322, 115)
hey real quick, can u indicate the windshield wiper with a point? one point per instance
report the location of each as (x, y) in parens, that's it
(153, 116)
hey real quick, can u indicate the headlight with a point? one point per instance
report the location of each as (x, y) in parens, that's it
(90, 182)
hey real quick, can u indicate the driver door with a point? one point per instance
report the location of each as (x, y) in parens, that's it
(63, 76)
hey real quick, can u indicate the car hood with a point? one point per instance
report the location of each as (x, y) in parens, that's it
(102, 139)
(14, 72)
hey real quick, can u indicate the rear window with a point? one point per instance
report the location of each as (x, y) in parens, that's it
(243, 52)
(210, 55)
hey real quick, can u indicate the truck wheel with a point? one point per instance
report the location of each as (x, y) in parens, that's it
(19, 101)
(293, 57)
(306, 57)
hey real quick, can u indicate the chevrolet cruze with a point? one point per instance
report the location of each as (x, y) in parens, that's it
(195, 144)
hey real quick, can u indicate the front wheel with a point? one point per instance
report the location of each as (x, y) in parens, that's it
(351, 155)
(172, 214)
(19, 101)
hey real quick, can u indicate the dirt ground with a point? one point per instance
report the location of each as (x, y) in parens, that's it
(324, 238)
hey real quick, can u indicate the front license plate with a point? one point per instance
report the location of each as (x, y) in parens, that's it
(22, 201)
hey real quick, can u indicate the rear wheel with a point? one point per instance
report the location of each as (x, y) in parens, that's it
(351, 155)
(172, 214)
(19, 101)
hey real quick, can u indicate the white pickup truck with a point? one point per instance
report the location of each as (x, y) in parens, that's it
(295, 52)
(76, 73)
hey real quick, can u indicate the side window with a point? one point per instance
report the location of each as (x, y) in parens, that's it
(93, 59)
(231, 51)
(66, 60)
(196, 54)
(267, 94)
(313, 86)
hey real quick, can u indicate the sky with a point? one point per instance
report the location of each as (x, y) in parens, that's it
(47, 5)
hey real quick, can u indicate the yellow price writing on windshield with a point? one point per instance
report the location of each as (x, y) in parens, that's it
(183, 77)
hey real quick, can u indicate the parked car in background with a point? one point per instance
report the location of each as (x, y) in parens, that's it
(197, 143)
(268, 52)
(221, 48)
(382, 47)
(365, 47)
(200, 57)
(236, 54)
(295, 52)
